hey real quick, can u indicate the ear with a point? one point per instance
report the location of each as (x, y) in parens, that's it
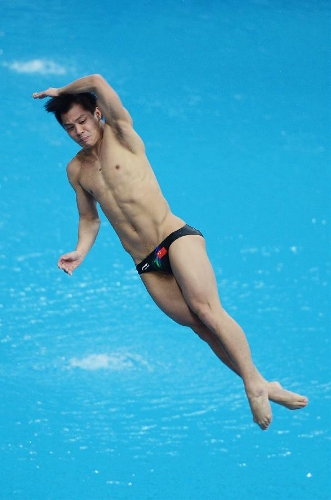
(97, 113)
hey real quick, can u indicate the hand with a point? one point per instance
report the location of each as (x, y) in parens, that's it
(69, 261)
(51, 92)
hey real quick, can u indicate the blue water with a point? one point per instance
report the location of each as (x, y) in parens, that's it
(103, 397)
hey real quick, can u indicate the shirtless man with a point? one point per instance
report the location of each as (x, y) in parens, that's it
(112, 169)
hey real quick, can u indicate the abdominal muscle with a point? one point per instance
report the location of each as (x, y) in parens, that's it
(142, 232)
(131, 199)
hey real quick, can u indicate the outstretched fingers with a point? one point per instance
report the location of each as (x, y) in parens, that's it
(50, 92)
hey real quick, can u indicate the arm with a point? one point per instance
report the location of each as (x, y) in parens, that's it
(108, 101)
(110, 105)
(88, 226)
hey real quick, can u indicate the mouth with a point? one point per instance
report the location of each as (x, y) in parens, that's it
(84, 140)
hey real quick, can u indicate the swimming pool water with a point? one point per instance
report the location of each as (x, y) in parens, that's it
(103, 397)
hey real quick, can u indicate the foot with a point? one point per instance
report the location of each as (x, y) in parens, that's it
(260, 406)
(289, 399)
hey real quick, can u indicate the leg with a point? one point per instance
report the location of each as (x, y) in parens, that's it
(194, 275)
(276, 392)
(168, 296)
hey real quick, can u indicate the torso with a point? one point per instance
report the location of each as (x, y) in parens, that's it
(123, 183)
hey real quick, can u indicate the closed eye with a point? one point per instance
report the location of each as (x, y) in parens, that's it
(80, 120)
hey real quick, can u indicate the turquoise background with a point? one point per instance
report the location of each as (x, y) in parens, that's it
(103, 397)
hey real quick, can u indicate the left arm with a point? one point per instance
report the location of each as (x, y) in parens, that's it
(108, 100)
(109, 103)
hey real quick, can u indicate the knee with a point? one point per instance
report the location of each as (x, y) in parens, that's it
(190, 320)
(202, 309)
(207, 313)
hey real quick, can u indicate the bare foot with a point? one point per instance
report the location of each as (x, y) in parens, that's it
(260, 406)
(289, 399)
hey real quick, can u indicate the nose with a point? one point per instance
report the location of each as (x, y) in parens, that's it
(79, 129)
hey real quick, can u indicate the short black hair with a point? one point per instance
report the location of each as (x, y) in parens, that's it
(62, 103)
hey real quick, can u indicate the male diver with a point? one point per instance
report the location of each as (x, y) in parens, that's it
(112, 170)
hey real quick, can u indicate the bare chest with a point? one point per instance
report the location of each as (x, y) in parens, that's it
(112, 170)
(104, 175)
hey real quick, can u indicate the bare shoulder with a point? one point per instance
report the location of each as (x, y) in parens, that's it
(73, 170)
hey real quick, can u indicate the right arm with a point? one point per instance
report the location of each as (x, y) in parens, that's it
(88, 226)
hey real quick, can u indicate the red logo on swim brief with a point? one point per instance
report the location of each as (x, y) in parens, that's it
(161, 253)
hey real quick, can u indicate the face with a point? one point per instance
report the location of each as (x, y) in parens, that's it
(83, 127)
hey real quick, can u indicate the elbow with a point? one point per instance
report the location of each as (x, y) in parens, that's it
(94, 225)
(96, 81)
(97, 222)
(90, 220)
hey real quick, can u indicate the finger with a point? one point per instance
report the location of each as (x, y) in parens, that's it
(66, 270)
(63, 266)
(39, 95)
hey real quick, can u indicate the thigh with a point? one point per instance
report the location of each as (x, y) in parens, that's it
(193, 271)
(167, 295)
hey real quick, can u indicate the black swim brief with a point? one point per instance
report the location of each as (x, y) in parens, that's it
(158, 260)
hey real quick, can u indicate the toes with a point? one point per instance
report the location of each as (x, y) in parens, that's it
(263, 425)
